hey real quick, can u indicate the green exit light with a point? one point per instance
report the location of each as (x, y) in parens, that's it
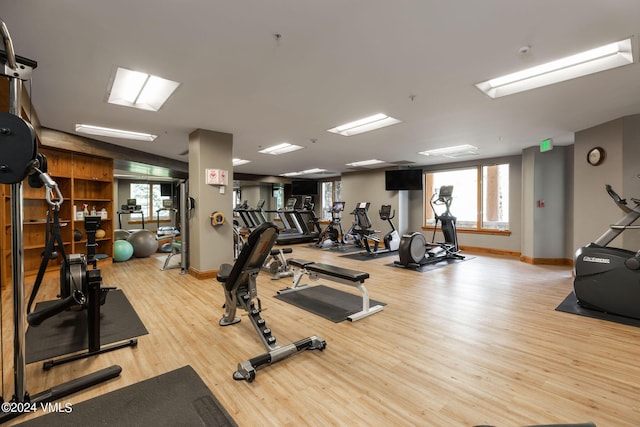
(546, 145)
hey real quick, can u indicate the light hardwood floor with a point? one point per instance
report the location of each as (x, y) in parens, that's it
(474, 343)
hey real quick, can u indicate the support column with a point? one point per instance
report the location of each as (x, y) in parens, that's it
(210, 246)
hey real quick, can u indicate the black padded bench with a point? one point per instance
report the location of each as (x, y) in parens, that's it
(336, 274)
(275, 252)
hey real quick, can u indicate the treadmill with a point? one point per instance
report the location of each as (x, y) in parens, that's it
(295, 229)
(244, 212)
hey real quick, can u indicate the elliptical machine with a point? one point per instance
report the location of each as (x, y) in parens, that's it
(607, 279)
(414, 250)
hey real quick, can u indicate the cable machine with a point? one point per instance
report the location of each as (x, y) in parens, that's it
(20, 159)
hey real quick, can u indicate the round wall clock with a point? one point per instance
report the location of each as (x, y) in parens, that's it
(596, 156)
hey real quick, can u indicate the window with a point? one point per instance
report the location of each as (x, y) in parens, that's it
(149, 197)
(495, 193)
(330, 193)
(278, 195)
(480, 196)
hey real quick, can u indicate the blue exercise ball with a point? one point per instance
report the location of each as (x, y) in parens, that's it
(122, 250)
(144, 243)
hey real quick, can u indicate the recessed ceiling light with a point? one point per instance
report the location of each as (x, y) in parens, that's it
(367, 124)
(114, 133)
(602, 58)
(365, 163)
(140, 90)
(285, 147)
(447, 151)
(238, 162)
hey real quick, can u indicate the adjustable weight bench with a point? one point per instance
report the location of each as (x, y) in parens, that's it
(239, 283)
(336, 274)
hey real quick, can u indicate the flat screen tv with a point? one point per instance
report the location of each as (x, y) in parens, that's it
(403, 179)
(304, 188)
(165, 189)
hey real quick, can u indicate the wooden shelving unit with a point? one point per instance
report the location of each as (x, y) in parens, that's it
(81, 179)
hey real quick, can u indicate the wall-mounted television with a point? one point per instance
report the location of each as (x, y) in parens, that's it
(403, 179)
(165, 189)
(304, 188)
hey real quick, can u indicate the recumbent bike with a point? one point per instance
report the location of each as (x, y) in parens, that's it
(390, 241)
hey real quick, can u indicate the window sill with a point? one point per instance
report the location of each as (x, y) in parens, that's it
(486, 231)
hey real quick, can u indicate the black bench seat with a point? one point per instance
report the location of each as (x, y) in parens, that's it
(339, 272)
(342, 275)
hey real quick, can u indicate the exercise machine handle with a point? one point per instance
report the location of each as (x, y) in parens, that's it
(614, 195)
(37, 317)
(8, 45)
(622, 203)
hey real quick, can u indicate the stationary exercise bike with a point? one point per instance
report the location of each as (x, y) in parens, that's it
(333, 234)
(608, 279)
(415, 251)
(390, 241)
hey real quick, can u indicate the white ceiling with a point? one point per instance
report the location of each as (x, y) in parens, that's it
(335, 61)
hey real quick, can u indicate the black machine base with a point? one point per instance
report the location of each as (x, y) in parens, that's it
(106, 349)
(605, 283)
(415, 252)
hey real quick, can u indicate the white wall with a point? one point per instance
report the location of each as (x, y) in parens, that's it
(369, 186)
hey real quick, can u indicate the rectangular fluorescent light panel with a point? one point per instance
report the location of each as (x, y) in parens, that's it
(238, 162)
(365, 163)
(602, 58)
(449, 151)
(367, 124)
(285, 147)
(140, 90)
(304, 172)
(311, 171)
(114, 133)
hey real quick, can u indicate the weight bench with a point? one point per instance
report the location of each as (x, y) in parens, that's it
(336, 274)
(239, 283)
